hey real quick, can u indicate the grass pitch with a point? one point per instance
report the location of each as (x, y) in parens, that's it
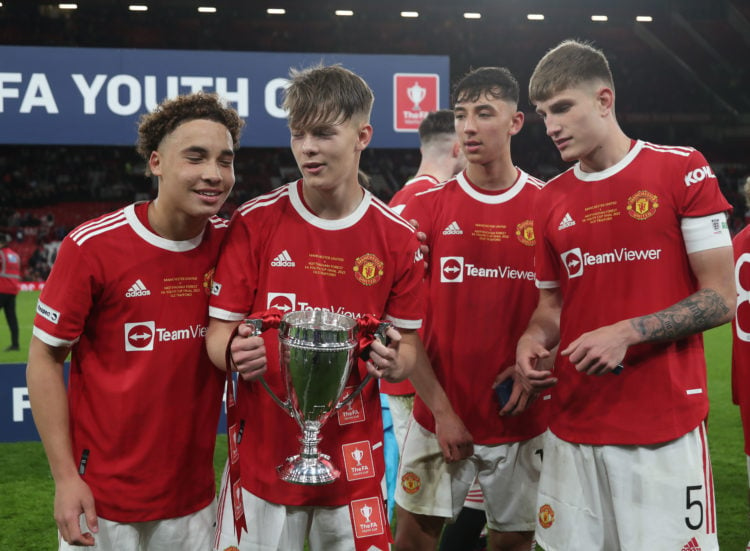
(27, 490)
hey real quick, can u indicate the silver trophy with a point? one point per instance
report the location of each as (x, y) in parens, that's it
(317, 351)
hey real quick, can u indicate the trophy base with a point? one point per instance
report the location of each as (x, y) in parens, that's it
(312, 472)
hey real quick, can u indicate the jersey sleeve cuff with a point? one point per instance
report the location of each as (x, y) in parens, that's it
(226, 315)
(50, 340)
(404, 324)
(547, 284)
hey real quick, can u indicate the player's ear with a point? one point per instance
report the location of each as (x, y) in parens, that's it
(154, 163)
(364, 137)
(516, 123)
(605, 99)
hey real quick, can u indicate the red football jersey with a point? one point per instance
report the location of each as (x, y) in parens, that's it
(144, 398)
(741, 332)
(416, 185)
(612, 242)
(481, 296)
(278, 254)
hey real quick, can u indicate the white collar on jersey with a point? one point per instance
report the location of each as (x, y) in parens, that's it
(322, 223)
(493, 198)
(611, 171)
(156, 240)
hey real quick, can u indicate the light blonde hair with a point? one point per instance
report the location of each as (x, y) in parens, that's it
(567, 65)
(326, 94)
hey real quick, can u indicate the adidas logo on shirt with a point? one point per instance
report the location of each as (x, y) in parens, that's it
(692, 545)
(283, 260)
(566, 222)
(137, 289)
(453, 229)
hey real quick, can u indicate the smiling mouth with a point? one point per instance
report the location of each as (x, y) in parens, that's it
(208, 193)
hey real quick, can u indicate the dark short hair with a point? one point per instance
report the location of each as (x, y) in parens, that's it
(495, 82)
(436, 123)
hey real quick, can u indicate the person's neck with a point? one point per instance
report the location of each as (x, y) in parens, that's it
(171, 224)
(493, 176)
(610, 152)
(334, 203)
(435, 169)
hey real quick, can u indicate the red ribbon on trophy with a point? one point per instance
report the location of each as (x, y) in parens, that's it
(368, 326)
(235, 426)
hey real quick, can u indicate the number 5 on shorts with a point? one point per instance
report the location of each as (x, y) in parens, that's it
(692, 503)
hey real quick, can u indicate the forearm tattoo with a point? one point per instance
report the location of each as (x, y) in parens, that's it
(698, 312)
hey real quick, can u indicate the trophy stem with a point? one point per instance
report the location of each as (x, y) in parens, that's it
(310, 466)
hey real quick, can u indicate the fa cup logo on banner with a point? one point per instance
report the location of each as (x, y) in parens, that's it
(416, 94)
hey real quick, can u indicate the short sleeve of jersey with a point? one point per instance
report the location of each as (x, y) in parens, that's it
(236, 275)
(546, 262)
(67, 297)
(405, 307)
(701, 193)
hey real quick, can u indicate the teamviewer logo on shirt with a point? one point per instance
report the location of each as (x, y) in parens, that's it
(286, 302)
(139, 336)
(573, 261)
(451, 269)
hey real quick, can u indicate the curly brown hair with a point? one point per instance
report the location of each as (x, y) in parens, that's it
(171, 113)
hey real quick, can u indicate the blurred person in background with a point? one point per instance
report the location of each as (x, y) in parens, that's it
(10, 285)
(442, 157)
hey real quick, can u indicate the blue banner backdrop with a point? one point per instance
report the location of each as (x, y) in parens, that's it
(16, 422)
(94, 96)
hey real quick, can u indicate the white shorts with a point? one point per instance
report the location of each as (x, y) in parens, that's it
(401, 406)
(274, 527)
(629, 498)
(507, 473)
(192, 532)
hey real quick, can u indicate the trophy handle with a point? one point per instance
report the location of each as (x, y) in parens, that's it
(380, 334)
(257, 325)
(353, 395)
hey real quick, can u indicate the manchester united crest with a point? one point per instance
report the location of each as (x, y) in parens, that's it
(546, 516)
(642, 204)
(410, 482)
(208, 281)
(525, 233)
(368, 269)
